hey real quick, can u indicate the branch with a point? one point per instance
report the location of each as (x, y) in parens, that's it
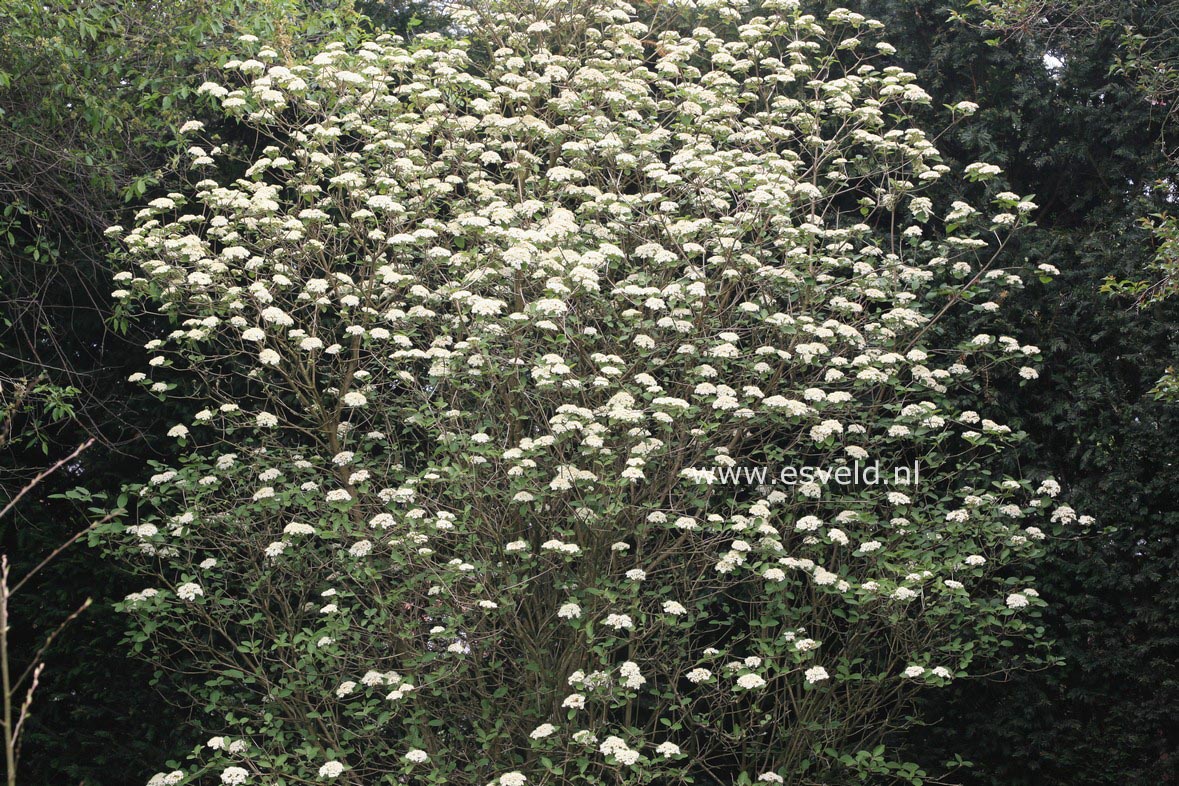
(35, 665)
(53, 554)
(33, 483)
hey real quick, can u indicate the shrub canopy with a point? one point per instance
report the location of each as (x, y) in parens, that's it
(483, 341)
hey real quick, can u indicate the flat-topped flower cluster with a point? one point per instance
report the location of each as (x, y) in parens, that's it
(468, 335)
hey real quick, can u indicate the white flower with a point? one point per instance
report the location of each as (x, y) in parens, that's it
(632, 677)
(417, 756)
(1064, 514)
(824, 577)
(354, 398)
(574, 701)
(1049, 487)
(569, 611)
(674, 608)
(179, 431)
(189, 591)
(512, 779)
(613, 746)
(213, 89)
(618, 621)
(807, 524)
(166, 778)
(667, 749)
(373, 678)
(332, 769)
(982, 170)
(276, 316)
(816, 674)
(232, 776)
(914, 671)
(1016, 601)
(750, 681)
(699, 675)
(542, 731)
(382, 202)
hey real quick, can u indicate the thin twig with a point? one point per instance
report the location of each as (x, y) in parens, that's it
(33, 483)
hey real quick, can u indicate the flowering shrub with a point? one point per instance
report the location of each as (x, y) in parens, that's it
(474, 339)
